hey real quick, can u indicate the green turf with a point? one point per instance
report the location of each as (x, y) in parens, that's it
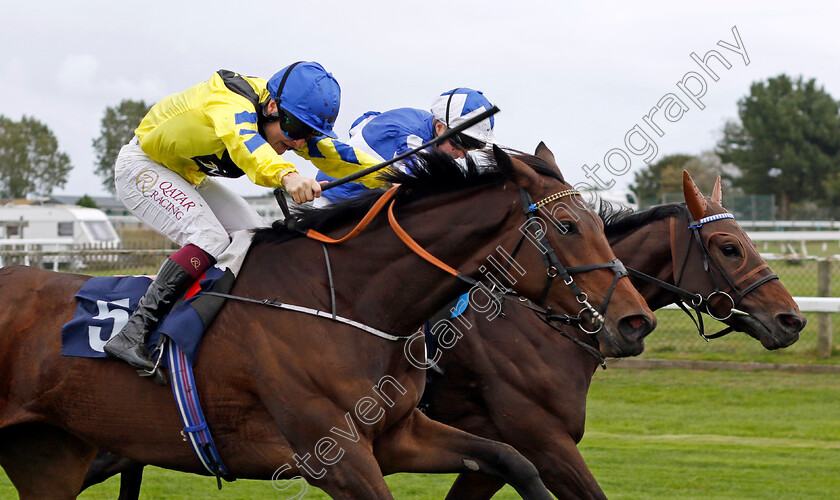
(724, 435)
(161, 484)
(660, 434)
(676, 337)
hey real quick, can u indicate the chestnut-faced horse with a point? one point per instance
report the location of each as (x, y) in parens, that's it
(273, 383)
(521, 383)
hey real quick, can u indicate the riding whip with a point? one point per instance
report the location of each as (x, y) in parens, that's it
(281, 200)
(442, 137)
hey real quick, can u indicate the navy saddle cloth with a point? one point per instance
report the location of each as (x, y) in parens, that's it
(105, 303)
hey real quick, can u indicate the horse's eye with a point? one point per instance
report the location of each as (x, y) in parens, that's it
(566, 227)
(730, 250)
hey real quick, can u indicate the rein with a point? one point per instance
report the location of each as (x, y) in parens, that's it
(553, 268)
(552, 263)
(696, 301)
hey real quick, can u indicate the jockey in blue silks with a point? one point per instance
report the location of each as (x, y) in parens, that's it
(389, 134)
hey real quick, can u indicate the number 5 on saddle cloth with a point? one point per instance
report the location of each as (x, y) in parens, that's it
(104, 305)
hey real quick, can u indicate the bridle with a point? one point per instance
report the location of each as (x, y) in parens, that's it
(696, 301)
(555, 268)
(552, 263)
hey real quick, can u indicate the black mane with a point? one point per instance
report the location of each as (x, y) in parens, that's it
(432, 173)
(619, 221)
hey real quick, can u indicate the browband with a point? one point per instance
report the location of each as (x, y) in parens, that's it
(711, 218)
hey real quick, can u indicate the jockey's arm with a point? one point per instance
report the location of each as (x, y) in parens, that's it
(247, 148)
(338, 159)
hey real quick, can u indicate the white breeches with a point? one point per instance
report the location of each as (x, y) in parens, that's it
(209, 216)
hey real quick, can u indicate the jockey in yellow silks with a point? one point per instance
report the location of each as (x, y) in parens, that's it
(227, 126)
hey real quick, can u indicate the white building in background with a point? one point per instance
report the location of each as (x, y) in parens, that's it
(59, 226)
(618, 198)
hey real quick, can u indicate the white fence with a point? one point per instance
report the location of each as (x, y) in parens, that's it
(806, 304)
(783, 225)
(32, 245)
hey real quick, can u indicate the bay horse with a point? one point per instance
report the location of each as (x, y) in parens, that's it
(538, 406)
(521, 383)
(274, 383)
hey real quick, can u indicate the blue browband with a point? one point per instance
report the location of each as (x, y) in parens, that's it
(710, 219)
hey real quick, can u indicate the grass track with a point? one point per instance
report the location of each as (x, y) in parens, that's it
(661, 434)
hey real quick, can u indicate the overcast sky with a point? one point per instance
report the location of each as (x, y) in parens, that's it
(578, 76)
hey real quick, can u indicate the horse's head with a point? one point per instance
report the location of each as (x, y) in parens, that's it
(722, 264)
(578, 271)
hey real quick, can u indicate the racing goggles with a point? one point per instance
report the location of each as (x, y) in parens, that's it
(296, 129)
(465, 142)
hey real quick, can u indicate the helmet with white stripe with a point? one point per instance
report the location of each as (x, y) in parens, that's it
(459, 105)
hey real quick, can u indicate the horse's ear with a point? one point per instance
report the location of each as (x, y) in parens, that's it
(693, 197)
(515, 170)
(542, 152)
(717, 195)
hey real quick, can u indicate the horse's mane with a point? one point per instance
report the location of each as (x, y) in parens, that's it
(618, 221)
(432, 173)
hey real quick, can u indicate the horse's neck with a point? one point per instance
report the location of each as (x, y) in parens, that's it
(647, 249)
(461, 230)
(378, 280)
(532, 364)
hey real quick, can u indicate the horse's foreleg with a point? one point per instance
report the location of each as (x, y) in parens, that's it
(43, 461)
(565, 472)
(130, 481)
(354, 475)
(106, 465)
(422, 445)
(472, 486)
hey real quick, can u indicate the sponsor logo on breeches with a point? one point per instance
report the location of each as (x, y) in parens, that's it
(170, 198)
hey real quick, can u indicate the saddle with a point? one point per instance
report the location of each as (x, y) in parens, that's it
(105, 303)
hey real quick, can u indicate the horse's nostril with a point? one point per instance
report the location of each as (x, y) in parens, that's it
(793, 322)
(634, 327)
(636, 322)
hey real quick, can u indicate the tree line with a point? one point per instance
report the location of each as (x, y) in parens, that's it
(31, 164)
(785, 142)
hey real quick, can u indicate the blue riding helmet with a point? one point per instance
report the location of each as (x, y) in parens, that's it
(308, 93)
(459, 105)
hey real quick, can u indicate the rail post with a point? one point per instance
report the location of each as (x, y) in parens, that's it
(824, 319)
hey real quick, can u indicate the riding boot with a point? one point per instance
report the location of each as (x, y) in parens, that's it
(130, 344)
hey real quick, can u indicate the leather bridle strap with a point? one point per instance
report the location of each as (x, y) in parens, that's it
(552, 263)
(618, 269)
(696, 301)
